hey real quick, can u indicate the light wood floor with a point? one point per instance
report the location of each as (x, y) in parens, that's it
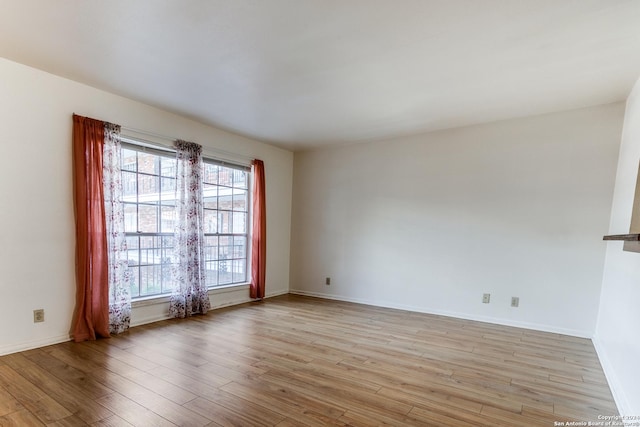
(292, 361)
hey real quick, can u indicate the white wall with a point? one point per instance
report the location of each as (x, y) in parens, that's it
(37, 241)
(431, 222)
(618, 331)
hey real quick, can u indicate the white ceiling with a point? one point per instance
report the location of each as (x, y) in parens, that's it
(305, 73)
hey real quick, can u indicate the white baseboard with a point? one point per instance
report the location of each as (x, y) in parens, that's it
(487, 319)
(160, 315)
(149, 319)
(277, 294)
(30, 345)
(163, 314)
(619, 395)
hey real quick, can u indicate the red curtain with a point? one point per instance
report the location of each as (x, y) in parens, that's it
(91, 317)
(259, 236)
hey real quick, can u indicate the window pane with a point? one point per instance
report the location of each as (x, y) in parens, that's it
(148, 190)
(210, 196)
(166, 274)
(239, 222)
(147, 218)
(210, 248)
(224, 272)
(225, 176)
(225, 248)
(239, 247)
(129, 160)
(239, 270)
(168, 166)
(135, 281)
(210, 221)
(168, 189)
(130, 218)
(210, 173)
(240, 200)
(150, 282)
(132, 250)
(133, 258)
(224, 222)
(129, 187)
(167, 219)
(210, 255)
(210, 202)
(225, 199)
(239, 178)
(167, 243)
(148, 163)
(147, 249)
(211, 273)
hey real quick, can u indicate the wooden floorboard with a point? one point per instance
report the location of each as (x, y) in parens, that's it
(301, 361)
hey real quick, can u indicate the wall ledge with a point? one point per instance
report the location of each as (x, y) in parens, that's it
(623, 237)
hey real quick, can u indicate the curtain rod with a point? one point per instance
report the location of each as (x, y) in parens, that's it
(215, 151)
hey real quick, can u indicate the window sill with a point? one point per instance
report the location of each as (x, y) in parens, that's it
(161, 299)
(624, 237)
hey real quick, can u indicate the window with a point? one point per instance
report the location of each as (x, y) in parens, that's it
(149, 184)
(225, 224)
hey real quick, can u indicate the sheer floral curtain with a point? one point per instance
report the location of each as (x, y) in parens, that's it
(119, 272)
(190, 295)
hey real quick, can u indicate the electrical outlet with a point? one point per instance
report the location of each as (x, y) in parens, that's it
(38, 315)
(327, 281)
(515, 301)
(486, 298)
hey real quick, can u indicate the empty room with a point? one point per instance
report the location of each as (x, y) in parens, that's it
(320, 213)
